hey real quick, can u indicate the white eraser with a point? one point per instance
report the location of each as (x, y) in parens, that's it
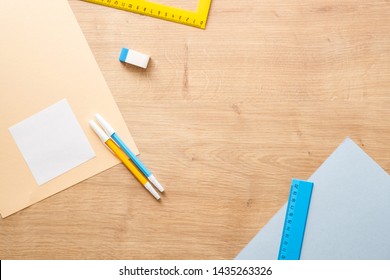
(134, 58)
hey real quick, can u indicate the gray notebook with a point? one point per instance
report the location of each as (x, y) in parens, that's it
(349, 212)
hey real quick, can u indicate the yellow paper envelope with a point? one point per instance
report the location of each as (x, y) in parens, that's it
(45, 58)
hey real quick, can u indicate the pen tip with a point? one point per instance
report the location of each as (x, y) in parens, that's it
(156, 183)
(149, 187)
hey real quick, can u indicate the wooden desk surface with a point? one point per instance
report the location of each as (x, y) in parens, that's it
(224, 117)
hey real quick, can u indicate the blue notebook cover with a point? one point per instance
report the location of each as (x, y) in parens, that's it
(348, 217)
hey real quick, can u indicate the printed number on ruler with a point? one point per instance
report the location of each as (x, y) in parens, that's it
(196, 19)
(295, 221)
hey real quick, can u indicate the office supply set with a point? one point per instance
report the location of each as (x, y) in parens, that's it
(111, 139)
(35, 167)
(59, 30)
(316, 221)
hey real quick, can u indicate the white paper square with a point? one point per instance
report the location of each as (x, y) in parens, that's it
(52, 142)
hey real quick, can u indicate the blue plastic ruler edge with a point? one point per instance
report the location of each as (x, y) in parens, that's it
(295, 220)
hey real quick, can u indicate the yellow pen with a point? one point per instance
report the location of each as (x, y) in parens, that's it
(123, 157)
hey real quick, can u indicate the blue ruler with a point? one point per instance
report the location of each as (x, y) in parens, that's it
(295, 221)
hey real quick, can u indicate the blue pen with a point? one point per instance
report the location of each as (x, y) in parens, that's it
(111, 132)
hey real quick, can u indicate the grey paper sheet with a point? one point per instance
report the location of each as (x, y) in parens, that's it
(349, 212)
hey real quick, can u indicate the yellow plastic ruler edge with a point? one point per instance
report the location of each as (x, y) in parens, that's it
(161, 11)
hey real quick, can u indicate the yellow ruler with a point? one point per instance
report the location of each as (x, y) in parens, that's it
(196, 19)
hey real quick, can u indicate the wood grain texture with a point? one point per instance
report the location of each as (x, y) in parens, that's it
(224, 117)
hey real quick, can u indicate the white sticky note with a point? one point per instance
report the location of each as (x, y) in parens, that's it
(52, 142)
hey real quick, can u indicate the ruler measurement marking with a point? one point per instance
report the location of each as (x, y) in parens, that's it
(295, 220)
(161, 11)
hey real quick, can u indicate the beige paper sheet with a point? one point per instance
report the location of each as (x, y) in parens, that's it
(44, 58)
